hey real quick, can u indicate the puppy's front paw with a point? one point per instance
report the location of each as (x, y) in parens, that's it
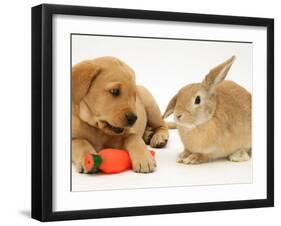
(148, 133)
(144, 163)
(79, 167)
(80, 164)
(159, 139)
(195, 158)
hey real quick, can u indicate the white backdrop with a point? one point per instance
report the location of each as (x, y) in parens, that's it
(15, 114)
(164, 66)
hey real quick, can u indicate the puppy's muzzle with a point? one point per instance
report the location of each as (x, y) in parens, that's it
(131, 118)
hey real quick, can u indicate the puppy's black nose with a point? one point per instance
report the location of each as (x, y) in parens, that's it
(131, 118)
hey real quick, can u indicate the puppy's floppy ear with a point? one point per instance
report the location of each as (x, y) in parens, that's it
(217, 75)
(83, 75)
(171, 106)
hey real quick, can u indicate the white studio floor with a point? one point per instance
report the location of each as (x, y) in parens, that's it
(168, 173)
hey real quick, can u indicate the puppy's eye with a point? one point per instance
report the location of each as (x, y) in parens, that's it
(197, 100)
(115, 92)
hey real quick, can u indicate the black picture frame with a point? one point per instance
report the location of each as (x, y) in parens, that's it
(42, 111)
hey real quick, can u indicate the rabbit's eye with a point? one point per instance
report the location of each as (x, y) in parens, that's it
(197, 100)
(115, 92)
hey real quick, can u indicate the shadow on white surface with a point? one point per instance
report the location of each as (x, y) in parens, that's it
(25, 213)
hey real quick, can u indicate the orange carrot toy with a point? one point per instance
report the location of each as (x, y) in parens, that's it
(109, 161)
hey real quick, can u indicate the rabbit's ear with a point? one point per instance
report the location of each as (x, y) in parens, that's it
(171, 106)
(83, 75)
(217, 74)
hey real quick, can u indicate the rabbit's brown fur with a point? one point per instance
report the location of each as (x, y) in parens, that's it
(220, 125)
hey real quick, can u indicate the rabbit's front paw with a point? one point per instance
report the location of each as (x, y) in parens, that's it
(239, 156)
(195, 158)
(181, 156)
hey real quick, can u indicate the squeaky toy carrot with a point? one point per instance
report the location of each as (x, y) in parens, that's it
(109, 161)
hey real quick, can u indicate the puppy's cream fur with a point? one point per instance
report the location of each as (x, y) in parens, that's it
(99, 118)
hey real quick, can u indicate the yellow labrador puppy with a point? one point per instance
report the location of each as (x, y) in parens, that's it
(110, 111)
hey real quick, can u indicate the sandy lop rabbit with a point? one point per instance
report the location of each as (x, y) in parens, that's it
(213, 118)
